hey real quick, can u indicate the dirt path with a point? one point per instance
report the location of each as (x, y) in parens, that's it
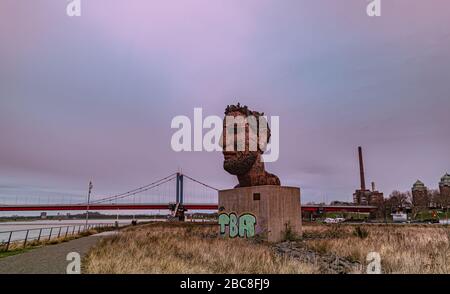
(48, 259)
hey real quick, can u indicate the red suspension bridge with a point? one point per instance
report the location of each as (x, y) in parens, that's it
(176, 192)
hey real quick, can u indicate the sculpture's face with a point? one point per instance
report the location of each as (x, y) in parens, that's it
(238, 161)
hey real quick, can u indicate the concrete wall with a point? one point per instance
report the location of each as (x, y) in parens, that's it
(277, 207)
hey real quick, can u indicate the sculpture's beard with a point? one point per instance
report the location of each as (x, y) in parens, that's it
(241, 164)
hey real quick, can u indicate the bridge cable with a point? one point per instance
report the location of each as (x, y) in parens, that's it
(135, 191)
(206, 185)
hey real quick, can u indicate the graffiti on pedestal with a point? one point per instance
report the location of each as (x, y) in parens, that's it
(242, 226)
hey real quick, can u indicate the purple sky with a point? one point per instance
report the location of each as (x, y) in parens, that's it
(93, 97)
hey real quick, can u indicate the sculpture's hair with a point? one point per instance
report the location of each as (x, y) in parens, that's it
(247, 112)
(242, 109)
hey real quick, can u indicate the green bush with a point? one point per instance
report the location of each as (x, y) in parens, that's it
(360, 232)
(289, 234)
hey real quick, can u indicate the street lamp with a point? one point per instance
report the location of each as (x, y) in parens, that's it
(88, 199)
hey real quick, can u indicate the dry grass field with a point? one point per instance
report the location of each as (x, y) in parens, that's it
(418, 249)
(196, 248)
(184, 248)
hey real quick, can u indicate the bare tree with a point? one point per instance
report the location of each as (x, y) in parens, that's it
(399, 199)
(434, 198)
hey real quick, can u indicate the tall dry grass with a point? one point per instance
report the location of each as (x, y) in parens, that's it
(411, 249)
(195, 248)
(185, 248)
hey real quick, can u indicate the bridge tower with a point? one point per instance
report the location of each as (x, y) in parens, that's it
(179, 208)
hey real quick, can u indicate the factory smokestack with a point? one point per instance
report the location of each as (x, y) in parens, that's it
(361, 169)
(373, 186)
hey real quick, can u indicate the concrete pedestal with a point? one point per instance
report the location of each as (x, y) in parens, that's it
(276, 208)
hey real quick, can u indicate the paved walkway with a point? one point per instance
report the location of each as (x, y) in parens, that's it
(49, 259)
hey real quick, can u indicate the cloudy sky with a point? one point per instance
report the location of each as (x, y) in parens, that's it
(92, 97)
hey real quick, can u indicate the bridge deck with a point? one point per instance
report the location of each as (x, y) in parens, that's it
(161, 206)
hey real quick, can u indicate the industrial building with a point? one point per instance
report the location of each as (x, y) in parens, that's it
(364, 196)
(420, 194)
(444, 187)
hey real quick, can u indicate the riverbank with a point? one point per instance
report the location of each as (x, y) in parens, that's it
(20, 247)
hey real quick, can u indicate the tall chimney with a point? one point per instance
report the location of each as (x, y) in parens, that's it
(373, 186)
(361, 169)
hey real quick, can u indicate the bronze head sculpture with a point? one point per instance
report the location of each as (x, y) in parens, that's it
(243, 141)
